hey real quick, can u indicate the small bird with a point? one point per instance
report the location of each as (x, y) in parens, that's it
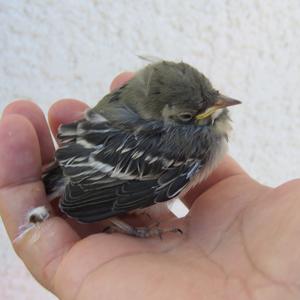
(140, 145)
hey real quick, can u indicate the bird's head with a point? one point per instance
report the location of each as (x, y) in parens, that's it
(179, 94)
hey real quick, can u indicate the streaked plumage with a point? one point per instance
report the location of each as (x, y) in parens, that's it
(137, 147)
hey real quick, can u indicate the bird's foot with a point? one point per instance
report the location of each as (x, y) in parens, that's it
(142, 232)
(34, 217)
(38, 215)
(152, 231)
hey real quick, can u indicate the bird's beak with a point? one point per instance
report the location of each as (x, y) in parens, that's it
(222, 101)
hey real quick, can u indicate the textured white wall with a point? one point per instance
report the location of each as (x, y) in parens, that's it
(249, 49)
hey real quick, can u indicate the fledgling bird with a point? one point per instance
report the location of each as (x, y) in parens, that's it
(140, 145)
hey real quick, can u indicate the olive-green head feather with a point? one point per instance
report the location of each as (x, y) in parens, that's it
(171, 92)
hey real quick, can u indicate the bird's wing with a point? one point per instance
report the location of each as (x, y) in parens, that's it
(111, 170)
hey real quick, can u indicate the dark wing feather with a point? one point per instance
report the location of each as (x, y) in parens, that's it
(111, 170)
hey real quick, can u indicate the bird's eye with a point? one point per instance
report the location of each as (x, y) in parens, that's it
(185, 117)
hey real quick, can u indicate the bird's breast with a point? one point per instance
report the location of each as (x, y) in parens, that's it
(215, 155)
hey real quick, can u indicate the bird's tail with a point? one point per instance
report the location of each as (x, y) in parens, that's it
(53, 181)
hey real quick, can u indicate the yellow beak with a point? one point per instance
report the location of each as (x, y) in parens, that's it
(222, 101)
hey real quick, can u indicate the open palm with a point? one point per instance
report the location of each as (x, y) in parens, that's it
(240, 240)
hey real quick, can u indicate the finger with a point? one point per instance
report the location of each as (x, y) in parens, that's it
(65, 111)
(227, 168)
(21, 190)
(120, 80)
(20, 162)
(35, 115)
(20, 157)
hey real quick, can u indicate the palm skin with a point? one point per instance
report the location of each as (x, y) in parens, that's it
(240, 240)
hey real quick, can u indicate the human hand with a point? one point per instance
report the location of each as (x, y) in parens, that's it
(240, 238)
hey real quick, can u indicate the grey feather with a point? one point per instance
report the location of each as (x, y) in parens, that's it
(116, 171)
(132, 150)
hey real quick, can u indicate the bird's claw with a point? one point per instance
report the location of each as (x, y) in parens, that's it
(142, 232)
